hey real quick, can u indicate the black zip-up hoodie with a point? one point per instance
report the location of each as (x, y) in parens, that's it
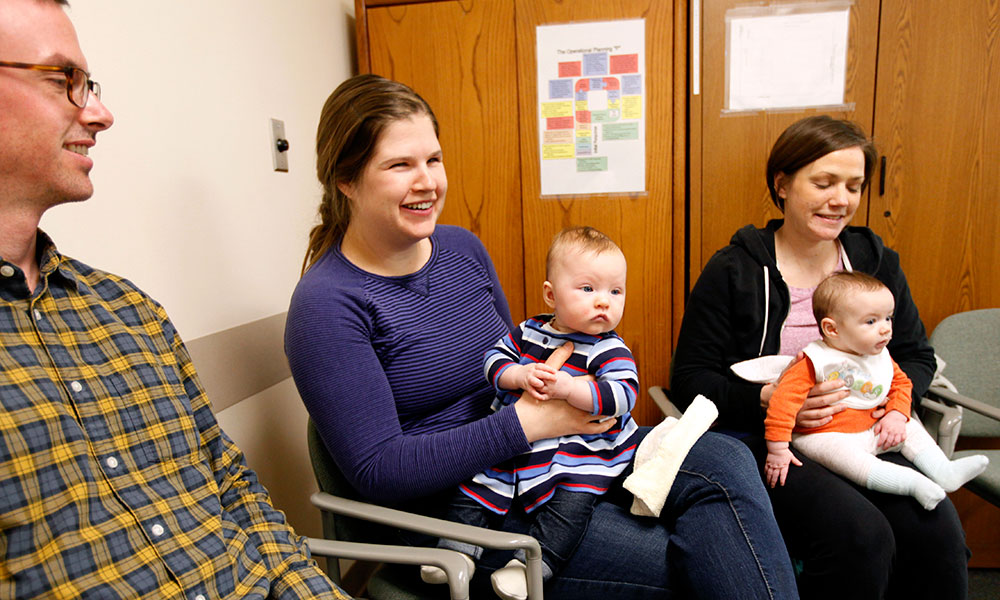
(738, 307)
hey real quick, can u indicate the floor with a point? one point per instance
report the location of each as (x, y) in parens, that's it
(984, 584)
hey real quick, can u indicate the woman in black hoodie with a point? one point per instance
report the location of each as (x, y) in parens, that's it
(753, 298)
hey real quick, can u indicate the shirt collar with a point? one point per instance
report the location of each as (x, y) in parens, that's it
(51, 264)
(54, 269)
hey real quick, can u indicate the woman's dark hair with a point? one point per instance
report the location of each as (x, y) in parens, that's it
(810, 139)
(350, 125)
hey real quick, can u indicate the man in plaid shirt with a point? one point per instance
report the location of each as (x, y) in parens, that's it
(115, 479)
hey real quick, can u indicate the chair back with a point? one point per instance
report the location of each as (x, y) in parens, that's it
(969, 343)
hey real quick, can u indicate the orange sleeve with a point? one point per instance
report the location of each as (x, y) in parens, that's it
(900, 395)
(792, 391)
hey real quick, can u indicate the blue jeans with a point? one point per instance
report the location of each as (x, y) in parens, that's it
(558, 525)
(716, 538)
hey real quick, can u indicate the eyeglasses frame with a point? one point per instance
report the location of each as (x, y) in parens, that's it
(90, 86)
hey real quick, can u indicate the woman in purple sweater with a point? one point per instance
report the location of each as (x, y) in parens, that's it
(385, 337)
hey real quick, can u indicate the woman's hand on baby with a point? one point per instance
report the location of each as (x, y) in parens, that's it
(890, 429)
(819, 408)
(555, 418)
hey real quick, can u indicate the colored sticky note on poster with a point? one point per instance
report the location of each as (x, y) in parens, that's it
(554, 151)
(559, 123)
(570, 69)
(560, 88)
(559, 136)
(624, 63)
(632, 107)
(593, 163)
(620, 131)
(557, 109)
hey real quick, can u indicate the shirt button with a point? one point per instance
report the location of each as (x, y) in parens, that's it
(7, 271)
(38, 315)
(157, 530)
(199, 597)
(112, 462)
(76, 386)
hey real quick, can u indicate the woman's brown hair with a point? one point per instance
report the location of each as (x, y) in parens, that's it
(350, 125)
(810, 139)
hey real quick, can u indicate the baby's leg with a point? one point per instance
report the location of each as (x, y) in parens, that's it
(920, 449)
(462, 509)
(851, 455)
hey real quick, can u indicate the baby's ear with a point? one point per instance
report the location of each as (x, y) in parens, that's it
(548, 293)
(829, 327)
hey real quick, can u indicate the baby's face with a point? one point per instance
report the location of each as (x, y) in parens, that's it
(587, 291)
(864, 324)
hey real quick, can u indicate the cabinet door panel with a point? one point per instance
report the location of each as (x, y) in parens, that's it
(729, 151)
(458, 56)
(938, 125)
(643, 224)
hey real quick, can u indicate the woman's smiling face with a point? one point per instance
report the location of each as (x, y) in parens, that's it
(401, 191)
(822, 197)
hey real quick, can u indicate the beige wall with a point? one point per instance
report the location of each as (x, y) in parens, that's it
(187, 204)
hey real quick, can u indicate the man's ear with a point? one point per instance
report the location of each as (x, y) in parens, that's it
(548, 293)
(829, 327)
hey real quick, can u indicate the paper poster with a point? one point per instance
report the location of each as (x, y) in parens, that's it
(795, 58)
(592, 107)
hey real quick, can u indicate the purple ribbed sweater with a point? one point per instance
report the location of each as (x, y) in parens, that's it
(391, 368)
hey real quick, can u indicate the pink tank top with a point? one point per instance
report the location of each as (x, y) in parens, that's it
(800, 326)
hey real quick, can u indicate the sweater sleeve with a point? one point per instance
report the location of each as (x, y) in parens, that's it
(699, 364)
(614, 391)
(899, 397)
(506, 353)
(786, 401)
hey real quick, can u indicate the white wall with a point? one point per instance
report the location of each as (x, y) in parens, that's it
(187, 204)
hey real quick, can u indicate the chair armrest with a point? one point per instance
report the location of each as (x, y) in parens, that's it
(440, 528)
(951, 397)
(659, 396)
(450, 561)
(946, 421)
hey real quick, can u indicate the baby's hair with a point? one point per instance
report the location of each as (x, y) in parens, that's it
(833, 291)
(581, 239)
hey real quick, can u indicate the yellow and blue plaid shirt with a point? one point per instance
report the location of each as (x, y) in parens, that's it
(115, 478)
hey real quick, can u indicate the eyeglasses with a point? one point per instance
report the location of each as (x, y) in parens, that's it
(79, 85)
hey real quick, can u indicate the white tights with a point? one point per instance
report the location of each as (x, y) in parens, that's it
(853, 456)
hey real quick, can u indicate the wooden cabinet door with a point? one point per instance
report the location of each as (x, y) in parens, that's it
(459, 57)
(642, 223)
(937, 121)
(729, 151)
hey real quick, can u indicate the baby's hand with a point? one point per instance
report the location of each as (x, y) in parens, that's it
(533, 379)
(559, 386)
(891, 429)
(776, 464)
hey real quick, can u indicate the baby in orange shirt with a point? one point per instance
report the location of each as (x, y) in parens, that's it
(854, 312)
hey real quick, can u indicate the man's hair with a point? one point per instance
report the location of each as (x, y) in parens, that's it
(580, 239)
(832, 292)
